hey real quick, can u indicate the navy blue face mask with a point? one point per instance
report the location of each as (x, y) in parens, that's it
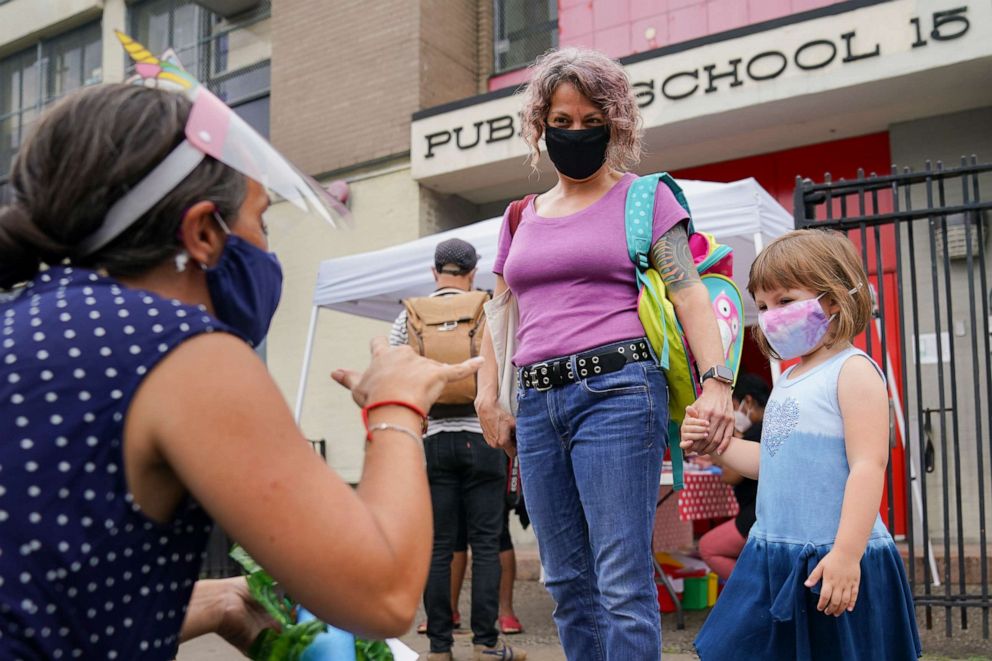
(245, 286)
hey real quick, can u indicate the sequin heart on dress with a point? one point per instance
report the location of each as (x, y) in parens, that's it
(780, 420)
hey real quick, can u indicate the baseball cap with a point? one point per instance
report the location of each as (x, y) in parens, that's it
(458, 252)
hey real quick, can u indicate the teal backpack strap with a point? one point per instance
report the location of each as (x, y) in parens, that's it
(639, 225)
(639, 220)
(678, 467)
(678, 464)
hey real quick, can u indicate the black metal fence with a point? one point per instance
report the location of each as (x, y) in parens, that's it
(923, 240)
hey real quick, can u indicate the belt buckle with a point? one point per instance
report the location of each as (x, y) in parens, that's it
(536, 386)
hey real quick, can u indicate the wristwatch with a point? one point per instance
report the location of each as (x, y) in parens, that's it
(721, 373)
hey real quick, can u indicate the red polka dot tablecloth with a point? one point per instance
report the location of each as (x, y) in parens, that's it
(706, 496)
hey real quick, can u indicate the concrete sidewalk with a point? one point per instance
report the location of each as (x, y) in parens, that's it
(533, 606)
(540, 639)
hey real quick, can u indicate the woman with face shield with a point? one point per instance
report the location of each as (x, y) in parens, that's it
(592, 415)
(135, 410)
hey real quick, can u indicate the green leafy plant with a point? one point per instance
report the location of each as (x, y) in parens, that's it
(372, 650)
(290, 643)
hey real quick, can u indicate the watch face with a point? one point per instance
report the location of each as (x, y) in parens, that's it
(720, 373)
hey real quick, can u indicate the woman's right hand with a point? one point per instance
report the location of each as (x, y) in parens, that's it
(498, 426)
(399, 373)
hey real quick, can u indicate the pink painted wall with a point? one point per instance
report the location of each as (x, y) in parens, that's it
(624, 27)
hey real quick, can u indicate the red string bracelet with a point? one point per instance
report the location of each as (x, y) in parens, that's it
(407, 405)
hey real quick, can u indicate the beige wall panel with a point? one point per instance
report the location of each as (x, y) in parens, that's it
(24, 21)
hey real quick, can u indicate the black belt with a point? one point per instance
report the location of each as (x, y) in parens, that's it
(601, 360)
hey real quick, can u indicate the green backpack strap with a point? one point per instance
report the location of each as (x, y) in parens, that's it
(639, 225)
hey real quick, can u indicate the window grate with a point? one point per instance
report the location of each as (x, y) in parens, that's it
(524, 29)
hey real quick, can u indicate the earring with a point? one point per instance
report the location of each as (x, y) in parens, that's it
(182, 258)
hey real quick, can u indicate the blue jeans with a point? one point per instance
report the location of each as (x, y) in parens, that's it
(590, 458)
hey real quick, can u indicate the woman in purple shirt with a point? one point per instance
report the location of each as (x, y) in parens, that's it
(591, 429)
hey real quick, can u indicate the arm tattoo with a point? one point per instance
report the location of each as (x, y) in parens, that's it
(673, 259)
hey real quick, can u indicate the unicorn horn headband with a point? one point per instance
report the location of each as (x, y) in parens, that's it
(214, 130)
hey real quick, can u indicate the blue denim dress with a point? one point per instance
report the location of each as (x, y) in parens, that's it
(766, 612)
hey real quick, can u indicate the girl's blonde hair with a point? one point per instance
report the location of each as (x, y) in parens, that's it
(599, 79)
(820, 261)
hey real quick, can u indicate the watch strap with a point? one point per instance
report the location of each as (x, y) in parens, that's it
(721, 373)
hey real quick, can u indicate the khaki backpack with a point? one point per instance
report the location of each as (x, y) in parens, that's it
(448, 329)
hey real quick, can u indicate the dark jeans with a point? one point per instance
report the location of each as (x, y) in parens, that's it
(466, 473)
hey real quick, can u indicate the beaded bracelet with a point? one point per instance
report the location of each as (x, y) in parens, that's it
(369, 407)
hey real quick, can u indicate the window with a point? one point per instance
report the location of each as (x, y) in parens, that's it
(523, 30)
(38, 76)
(231, 57)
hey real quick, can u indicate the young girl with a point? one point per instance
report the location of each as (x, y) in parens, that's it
(820, 577)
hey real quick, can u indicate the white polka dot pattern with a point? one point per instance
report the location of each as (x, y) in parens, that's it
(706, 496)
(83, 573)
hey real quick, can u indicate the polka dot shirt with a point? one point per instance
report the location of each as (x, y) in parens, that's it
(83, 573)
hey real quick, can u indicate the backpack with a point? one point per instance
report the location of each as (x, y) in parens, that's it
(714, 262)
(448, 329)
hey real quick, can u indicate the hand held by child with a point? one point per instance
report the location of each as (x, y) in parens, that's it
(694, 432)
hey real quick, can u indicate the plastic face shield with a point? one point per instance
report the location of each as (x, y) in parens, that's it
(214, 130)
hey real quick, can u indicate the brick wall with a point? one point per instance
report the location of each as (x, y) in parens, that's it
(346, 76)
(449, 54)
(484, 44)
(344, 80)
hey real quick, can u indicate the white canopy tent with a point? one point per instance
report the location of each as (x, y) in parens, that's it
(740, 214)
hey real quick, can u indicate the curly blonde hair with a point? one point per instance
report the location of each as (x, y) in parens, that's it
(823, 262)
(601, 80)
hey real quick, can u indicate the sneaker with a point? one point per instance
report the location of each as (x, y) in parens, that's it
(499, 652)
(439, 656)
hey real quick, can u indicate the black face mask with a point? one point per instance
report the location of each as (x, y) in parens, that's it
(577, 154)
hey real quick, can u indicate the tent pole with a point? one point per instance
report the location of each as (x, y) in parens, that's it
(307, 355)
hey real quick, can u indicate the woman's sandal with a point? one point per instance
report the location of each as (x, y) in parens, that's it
(509, 624)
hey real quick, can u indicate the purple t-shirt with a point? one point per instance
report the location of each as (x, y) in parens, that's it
(572, 277)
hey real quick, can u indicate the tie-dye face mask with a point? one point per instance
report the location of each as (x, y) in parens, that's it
(796, 329)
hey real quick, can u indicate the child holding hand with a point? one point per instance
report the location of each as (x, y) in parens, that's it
(820, 577)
